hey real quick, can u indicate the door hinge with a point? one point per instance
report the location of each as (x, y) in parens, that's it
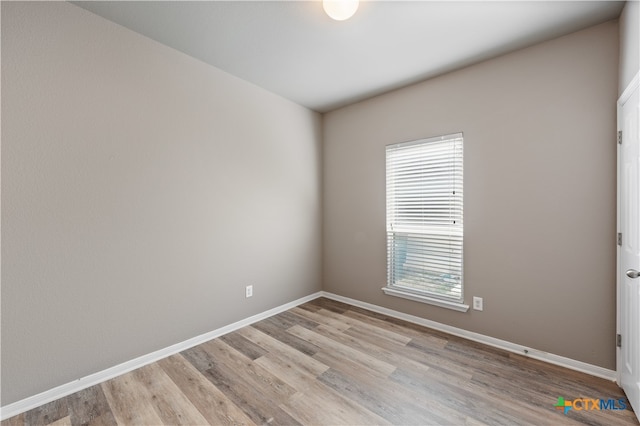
(619, 238)
(620, 137)
(618, 340)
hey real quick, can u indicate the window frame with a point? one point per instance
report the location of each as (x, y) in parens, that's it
(424, 281)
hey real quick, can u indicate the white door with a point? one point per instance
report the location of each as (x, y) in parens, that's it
(629, 250)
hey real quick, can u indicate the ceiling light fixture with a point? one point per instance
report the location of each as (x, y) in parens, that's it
(340, 9)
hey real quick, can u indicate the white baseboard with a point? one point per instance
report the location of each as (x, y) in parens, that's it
(572, 364)
(31, 402)
(45, 397)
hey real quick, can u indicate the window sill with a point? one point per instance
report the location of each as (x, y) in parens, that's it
(456, 306)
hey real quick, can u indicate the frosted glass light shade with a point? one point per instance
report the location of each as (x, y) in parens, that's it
(340, 9)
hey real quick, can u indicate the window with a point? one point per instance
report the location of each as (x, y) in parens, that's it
(424, 220)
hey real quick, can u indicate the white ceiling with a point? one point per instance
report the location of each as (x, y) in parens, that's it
(293, 49)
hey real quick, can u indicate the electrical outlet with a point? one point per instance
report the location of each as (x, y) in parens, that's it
(477, 303)
(248, 291)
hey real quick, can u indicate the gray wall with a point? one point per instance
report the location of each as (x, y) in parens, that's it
(540, 192)
(629, 43)
(141, 191)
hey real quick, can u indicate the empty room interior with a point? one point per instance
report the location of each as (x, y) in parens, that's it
(239, 212)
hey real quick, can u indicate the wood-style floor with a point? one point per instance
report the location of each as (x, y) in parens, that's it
(327, 363)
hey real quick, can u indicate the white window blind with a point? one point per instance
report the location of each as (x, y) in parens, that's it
(424, 216)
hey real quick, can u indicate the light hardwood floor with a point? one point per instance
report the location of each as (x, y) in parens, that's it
(327, 363)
